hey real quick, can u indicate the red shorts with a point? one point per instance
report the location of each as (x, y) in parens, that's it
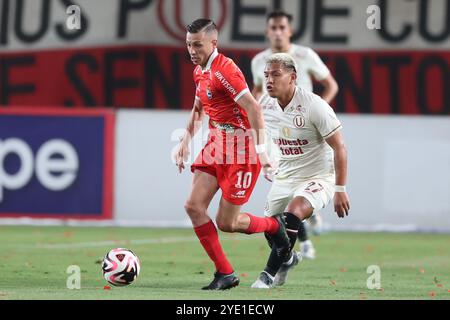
(236, 179)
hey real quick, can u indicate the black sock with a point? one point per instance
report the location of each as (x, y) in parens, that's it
(292, 227)
(302, 234)
(269, 239)
(274, 262)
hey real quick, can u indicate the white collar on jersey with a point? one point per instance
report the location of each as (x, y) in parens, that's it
(210, 60)
(290, 105)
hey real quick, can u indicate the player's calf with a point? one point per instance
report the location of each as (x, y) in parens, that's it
(280, 257)
(280, 238)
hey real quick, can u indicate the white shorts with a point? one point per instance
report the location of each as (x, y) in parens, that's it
(318, 192)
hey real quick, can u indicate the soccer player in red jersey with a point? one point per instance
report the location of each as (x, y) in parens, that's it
(224, 163)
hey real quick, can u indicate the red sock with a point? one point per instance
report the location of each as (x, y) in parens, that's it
(258, 224)
(207, 234)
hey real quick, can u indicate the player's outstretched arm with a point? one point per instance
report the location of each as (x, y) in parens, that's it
(255, 117)
(341, 201)
(194, 123)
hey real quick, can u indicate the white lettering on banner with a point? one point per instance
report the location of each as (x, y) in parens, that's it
(66, 166)
(23, 175)
(45, 165)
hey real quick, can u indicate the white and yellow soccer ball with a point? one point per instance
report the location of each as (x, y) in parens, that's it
(121, 267)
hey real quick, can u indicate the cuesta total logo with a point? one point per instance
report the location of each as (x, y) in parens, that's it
(55, 164)
(177, 28)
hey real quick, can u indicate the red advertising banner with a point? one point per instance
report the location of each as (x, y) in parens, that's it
(379, 82)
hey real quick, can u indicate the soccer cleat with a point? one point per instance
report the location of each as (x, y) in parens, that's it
(280, 238)
(264, 281)
(315, 222)
(307, 250)
(281, 276)
(222, 282)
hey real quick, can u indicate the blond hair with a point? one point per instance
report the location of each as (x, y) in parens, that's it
(284, 59)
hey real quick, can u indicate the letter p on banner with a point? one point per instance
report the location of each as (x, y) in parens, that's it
(374, 280)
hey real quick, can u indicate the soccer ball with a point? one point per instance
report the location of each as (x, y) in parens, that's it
(120, 267)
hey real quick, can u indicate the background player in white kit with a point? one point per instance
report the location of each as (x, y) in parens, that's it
(313, 158)
(310, 66)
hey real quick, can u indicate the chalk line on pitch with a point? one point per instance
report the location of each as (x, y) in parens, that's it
(94, 244)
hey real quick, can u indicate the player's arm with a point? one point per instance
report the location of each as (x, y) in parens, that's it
(194, 123)
(341, 201)
(257, 91)
(256, 119)
(322, 74)
(330, 88)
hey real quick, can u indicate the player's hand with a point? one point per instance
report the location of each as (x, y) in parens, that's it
(341, 204)
(266, 166)
(181, 155)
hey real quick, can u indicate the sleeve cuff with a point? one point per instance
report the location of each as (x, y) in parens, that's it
(320, 77)
(332, 132)
(240, 94)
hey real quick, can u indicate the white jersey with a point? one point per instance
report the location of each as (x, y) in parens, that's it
(298, 135)
(308, 63)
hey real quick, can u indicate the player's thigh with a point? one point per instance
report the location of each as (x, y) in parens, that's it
(236, 182)
(277, 199)
(204, 187)
(317, 192)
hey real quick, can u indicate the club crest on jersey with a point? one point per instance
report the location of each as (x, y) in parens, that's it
(299, 121)
(209, 93)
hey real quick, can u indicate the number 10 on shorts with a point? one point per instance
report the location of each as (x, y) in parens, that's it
(244, 180)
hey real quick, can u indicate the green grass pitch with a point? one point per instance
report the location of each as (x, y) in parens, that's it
(34, 262)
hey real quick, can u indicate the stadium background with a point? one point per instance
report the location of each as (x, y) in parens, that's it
(89, 118)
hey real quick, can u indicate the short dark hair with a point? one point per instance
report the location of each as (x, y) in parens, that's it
(279, 14)
(198, 25)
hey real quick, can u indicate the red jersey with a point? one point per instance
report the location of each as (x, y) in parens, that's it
(219, 86)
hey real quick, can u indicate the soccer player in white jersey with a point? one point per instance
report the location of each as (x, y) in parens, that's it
(310, 66)
(313, 158)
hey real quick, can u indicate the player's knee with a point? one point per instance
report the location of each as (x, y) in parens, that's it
(301, 208)
(226, 226)
(192, 209)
